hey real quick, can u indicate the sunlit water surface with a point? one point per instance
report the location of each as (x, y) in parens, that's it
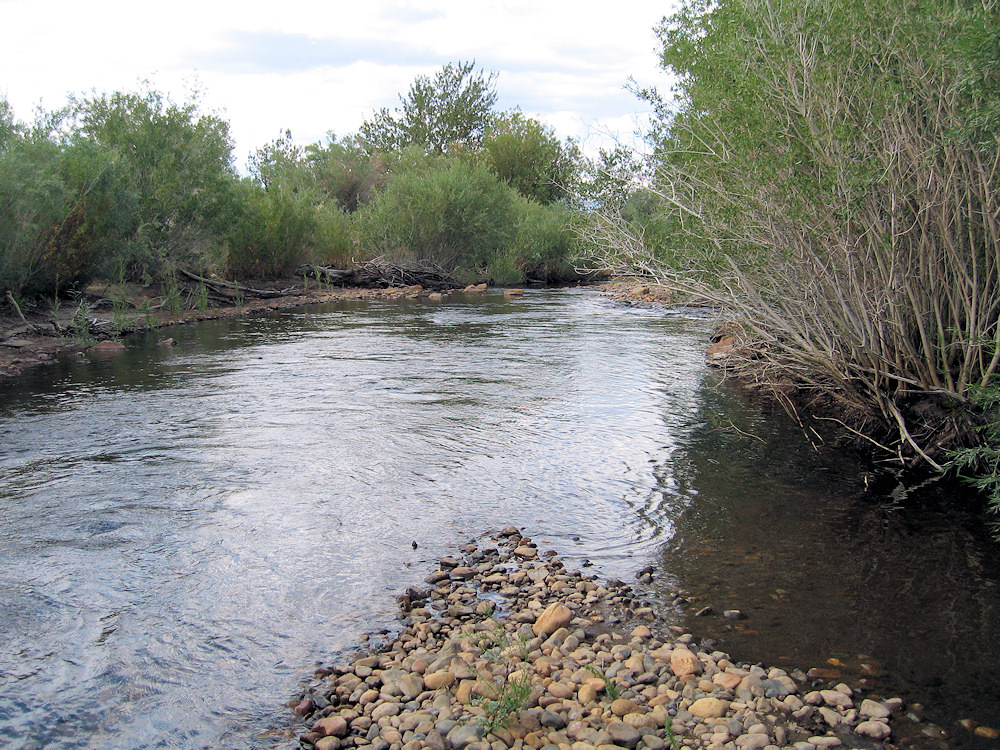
(185, 531)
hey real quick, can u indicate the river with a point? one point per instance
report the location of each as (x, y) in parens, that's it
(187, 530)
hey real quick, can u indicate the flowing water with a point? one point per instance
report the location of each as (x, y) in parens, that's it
(185, 531)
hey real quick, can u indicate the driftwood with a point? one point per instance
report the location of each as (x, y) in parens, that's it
(229, 290)
(32, 326)
(379, 274)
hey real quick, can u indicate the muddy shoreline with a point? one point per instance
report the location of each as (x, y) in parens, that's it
(505, 648)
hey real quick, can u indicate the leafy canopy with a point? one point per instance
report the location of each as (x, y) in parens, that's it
(452, 109)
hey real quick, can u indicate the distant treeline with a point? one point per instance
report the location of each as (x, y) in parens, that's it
(131, 186)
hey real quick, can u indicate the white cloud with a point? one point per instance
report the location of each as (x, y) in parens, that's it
(315, 66)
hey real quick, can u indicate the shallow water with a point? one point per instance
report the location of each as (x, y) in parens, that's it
(186, 530)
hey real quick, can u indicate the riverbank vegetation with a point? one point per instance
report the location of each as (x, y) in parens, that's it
(135, 187)
(827, 173)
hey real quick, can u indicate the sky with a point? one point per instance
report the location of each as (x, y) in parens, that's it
(315, 67)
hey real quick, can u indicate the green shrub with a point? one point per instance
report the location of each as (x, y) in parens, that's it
(335, 242)
(980, 465)
(63, 211)
(545, 245)
(453, 215)
(271, 233)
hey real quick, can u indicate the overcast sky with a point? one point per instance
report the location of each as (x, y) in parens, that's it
(315, 67)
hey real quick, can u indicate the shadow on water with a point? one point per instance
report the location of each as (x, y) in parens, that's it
(832, 568)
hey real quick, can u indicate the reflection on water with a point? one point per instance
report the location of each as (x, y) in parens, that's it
(186, 530)
(813, 548)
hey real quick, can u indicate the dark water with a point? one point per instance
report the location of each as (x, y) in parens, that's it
(186, 530)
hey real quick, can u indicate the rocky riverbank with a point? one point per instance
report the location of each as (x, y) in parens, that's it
(507, 649)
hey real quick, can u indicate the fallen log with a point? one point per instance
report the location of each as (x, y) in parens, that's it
(380, 273)
(230, 290)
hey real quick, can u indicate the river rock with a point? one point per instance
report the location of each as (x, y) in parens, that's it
(836, 698)
(411, 686)
(709, 708)
(561, 690)
(461, 736)
(623, 735)
(513, 292)
(874, 710)
(683, 662)
(385, 709)
(335, 726)
(587, 694)
(440, 679)
(555, 616)
(752, 741)
(108, 347)
(622, 706)
(726, 680)
(873, 728)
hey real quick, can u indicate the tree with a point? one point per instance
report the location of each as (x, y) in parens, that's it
(830, 172)
(178, 163)
(63, 211)
(526, 155)
(454, 108)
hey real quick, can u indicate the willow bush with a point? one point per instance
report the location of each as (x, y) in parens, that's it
(830, 177)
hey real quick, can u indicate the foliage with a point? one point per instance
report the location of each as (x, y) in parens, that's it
(831, 175)
(177, 161)
(611, 688)
(526, 155)
(453, 215)
(271, 234)
(335, 241)
(544, 247)
(610, 180)
(343, 172)
(452, 109)
(61, 209)
(979, 465)
(513, 686)
(80, 325)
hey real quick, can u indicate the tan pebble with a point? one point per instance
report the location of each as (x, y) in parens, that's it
(683, 662)
(587, 694)
(440, 679)
(709, 708)
(641, 631)
(706, 686)
(640, 720)
(327, 743)
(623, 706)
(419, 665)
(561, 690)
(556, 616)
(662, 654)
(726, 680)
(988, 732)
(384, 710)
